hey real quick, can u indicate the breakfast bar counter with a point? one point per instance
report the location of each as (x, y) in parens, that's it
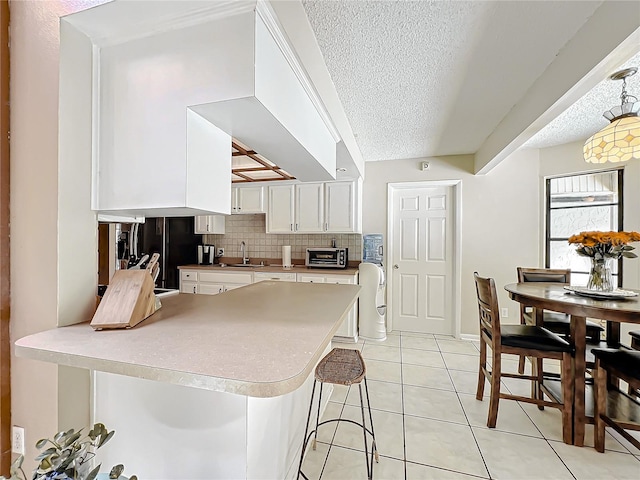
(227, 378)
(261, 340)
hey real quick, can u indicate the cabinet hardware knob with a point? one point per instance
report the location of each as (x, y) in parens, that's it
(396, 267)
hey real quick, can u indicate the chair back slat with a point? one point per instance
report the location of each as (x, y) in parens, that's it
(488, 311)
(551, 275)
(557, 275)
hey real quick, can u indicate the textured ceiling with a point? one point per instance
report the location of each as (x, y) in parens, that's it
(430, 78)
(584, 118)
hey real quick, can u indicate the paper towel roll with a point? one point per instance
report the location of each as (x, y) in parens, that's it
(286, 256)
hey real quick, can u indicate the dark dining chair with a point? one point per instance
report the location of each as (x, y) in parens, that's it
(612, 406)
(635, 345)
(559, 323)
(526, 340)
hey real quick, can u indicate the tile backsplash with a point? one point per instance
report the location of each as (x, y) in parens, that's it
(251, 230)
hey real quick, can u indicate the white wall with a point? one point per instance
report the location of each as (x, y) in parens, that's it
(500, 217)
(44, 397)
(502, 212)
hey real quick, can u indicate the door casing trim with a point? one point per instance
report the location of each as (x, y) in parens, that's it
(456, 212)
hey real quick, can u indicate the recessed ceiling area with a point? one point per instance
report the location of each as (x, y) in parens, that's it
(247, 165)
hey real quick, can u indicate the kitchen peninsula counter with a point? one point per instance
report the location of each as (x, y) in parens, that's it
(262, 340)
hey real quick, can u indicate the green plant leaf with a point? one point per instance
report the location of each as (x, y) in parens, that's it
(72, 439)
(58, 436)
(116, 471)
(41, 443)
(629, 255)
(46, 453)
(104, 440)
(93, 473)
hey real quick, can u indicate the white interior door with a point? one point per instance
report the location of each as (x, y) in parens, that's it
(422, 260)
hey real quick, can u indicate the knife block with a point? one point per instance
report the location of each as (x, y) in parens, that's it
(129, 299)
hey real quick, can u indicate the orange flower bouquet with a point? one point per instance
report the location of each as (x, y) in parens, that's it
(605, 244)
(603, 247)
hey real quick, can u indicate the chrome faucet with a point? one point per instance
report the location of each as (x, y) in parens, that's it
(243, 252)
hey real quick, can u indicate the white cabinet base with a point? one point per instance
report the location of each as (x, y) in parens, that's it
(213, 435)
(348, 331)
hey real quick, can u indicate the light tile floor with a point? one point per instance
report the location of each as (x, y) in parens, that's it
(429, 425)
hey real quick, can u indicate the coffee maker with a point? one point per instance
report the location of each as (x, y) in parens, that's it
(206, 254)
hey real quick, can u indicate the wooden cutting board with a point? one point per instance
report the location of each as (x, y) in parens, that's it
(129, 299)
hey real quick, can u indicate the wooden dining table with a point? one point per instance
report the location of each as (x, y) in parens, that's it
(554, 297)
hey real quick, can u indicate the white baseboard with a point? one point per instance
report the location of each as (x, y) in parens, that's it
(470, 337)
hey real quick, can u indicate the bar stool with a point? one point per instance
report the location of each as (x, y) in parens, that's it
(341, 366)
(611, 406)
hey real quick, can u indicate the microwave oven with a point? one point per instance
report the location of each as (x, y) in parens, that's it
(327, 257)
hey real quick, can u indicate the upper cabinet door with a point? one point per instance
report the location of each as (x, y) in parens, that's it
(280, 212)
(309, 208)
(247, 200)
(206, 224)
(201, 224)
(340, 207)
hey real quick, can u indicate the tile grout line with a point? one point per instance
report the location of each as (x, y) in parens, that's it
(475, 439)
(404, 434)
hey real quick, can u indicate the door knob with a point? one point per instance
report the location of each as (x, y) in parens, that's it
(395, 267)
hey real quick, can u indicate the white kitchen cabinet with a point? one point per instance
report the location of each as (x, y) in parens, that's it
(207, 224)
(206, 282)
(348, 331)
(310, 278)
(309, 208)
(274, 276)
(349, 328)
(340, 207)
(247, 200)
(210, 288)
(331, 207)
(188, 287)
(280, 218)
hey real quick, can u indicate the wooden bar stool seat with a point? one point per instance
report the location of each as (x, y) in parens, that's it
(342, 366)
(614, 407)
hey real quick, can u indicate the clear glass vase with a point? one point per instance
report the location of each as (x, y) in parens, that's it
(600, 278)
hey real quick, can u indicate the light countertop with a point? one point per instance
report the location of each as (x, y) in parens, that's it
(273, 268)
(262, 340)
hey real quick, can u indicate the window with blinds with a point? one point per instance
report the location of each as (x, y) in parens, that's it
(579, 203)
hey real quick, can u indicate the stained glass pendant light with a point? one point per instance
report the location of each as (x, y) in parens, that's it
(620, 140)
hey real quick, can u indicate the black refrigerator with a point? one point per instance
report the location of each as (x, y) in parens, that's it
(174, 239)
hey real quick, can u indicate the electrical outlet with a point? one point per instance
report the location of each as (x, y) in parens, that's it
(220, 252)
(504, 312)
(17, 440)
